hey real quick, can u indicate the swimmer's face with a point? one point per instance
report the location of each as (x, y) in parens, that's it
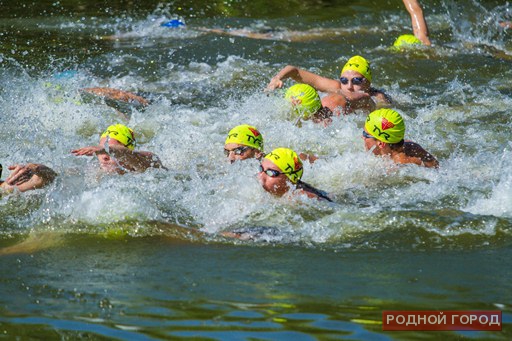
(370, 142)
(235, 151)
(354, 85)
(277, 185)
(107, 164)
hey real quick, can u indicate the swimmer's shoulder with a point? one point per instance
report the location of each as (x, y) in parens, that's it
(313, 192)
(380, 97)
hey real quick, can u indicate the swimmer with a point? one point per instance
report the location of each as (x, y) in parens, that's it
(505, 24)
(353, 88)
(26, 177)
(281, 171)
(307, 104)
(117, 95)
(419, 25)
(246, 142)
(116, 152)
(384, 133)
(123, 102)
(406, 41)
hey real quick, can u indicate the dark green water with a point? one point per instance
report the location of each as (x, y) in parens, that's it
(139, 257)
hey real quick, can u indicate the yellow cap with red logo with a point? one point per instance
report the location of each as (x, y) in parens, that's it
(246, 135)
(288, 162)
(385, 125)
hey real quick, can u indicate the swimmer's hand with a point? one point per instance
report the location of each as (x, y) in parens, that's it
(30, 176)
(275, 83)
(88, 151)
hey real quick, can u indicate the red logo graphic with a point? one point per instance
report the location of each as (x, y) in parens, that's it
(297, 163)
(386, 124)
(255, 132)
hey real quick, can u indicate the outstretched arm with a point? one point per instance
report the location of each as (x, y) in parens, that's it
(419, 25)
(302, 76)
(132, 160)
(29, 176)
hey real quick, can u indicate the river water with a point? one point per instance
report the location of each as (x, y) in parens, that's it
(139, 256)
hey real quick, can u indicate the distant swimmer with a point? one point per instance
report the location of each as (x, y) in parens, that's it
(384, 133)
(418, 22)
(353, 88)
(306, 104)
(116, 152)
(26, 177)
(123, 101)
(246, 142)
(281, 172)
(505, 24)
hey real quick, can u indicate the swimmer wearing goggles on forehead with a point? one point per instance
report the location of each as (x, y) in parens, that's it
(116, 153)
(352, 91)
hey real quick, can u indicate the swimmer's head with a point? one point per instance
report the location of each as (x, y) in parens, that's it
(288, 162)
(406, 40)
(121, 134)
(358, 64)
(304, 99)
(385, 125)
(245, 135)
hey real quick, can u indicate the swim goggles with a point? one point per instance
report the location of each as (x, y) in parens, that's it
(237, 150)
(273, 173)
(355, 80)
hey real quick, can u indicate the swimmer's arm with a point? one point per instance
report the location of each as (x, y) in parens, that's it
(381, 98)
(88, 151)
(302, 76)
(134, 160)
(419, 25)
(236, 33)
(29, 176)
(117, 95)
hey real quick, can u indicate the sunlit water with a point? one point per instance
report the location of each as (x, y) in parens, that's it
(141, 256)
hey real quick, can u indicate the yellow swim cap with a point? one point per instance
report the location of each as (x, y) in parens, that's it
(358, 64)
(122, 134)
(288, 162)
(246, 135)
(385, 125)
(309, 99)
(406, 39)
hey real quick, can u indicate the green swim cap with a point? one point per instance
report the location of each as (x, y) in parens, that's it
(288, 162)
(406, 39)
(385, 125)
(358, 64)
(305, 100)
(122, 134)
(246, 135)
